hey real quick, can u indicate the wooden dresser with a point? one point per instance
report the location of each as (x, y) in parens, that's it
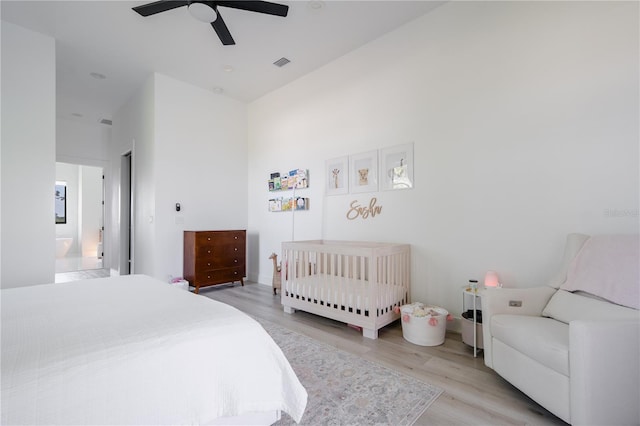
(214, 257)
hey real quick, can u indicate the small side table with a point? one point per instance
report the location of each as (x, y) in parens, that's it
(475, 296)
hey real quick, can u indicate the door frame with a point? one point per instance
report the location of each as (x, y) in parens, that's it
(127, 208)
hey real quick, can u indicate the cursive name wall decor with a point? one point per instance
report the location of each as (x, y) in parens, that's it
(356, 210)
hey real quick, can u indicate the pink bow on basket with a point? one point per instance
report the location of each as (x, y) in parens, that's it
(433, 321)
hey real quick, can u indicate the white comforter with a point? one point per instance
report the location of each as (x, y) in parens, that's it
(135, 350)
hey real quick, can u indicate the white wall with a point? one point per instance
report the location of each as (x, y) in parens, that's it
(200, 162)
(91, 209)
(83, 143)
(190, 148)
(28, 157)
(133, 132)
(524, 117)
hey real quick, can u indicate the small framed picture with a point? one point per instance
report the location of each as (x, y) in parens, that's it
(364, 172)
(396, 167)
(61, 202)
(337, 176)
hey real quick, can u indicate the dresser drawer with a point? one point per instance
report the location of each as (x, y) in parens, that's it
(228, 250)
(220, 237)
(216, 262)
(218, 276)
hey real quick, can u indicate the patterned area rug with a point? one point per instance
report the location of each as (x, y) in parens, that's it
(345, 389)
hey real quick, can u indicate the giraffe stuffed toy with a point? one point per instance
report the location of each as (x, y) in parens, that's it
(277, 279)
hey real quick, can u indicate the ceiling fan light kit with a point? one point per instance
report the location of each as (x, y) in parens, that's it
(202, 12)
(207, 11)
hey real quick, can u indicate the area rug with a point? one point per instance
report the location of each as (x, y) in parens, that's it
(345, 389)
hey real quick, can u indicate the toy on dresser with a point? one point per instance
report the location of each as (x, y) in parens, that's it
(277, 280)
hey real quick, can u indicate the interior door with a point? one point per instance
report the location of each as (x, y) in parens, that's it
(126, 214)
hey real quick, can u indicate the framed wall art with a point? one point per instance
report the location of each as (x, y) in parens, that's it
(363, 172)
(337, 176)
(61, 202)
(396, 167)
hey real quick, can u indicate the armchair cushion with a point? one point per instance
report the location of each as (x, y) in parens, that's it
(542, 339)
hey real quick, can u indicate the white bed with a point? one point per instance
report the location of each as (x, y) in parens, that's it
(135, 350)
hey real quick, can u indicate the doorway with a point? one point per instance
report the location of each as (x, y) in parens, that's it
(126, 214)
(79, 228)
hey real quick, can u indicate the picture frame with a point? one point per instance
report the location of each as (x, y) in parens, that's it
(396, 167)
(337, 176)
(61, 202)
(364, 172)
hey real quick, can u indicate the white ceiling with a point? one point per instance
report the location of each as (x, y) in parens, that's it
(109, 38)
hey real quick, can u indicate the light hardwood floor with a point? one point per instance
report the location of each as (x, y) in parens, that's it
(473, 394)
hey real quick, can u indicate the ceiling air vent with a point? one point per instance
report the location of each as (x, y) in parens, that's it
(281, 62)
(107, 122)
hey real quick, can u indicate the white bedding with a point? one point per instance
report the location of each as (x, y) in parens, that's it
(135, 350)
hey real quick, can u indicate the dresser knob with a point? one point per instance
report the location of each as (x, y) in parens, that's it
(208, 264)
(208, 251)
(208, 238)
(208, 277)
(236, 249)
(236, 237)
(236, 260)
(235, 273)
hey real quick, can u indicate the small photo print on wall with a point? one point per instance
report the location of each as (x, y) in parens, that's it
(337, 176)
(396, 165)
(275, 205)
(61, 202)
(364, 172)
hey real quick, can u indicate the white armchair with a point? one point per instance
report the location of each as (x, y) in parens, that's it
(576, 355)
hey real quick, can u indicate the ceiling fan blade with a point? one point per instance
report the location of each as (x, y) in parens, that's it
(222, 31)
(159, 6)
(257, 6)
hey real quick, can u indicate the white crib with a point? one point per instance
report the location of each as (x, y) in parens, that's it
(358, 283)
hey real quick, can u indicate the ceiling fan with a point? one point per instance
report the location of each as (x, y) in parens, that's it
(207, 11)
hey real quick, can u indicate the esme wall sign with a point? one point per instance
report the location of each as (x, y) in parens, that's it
(357, 210)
